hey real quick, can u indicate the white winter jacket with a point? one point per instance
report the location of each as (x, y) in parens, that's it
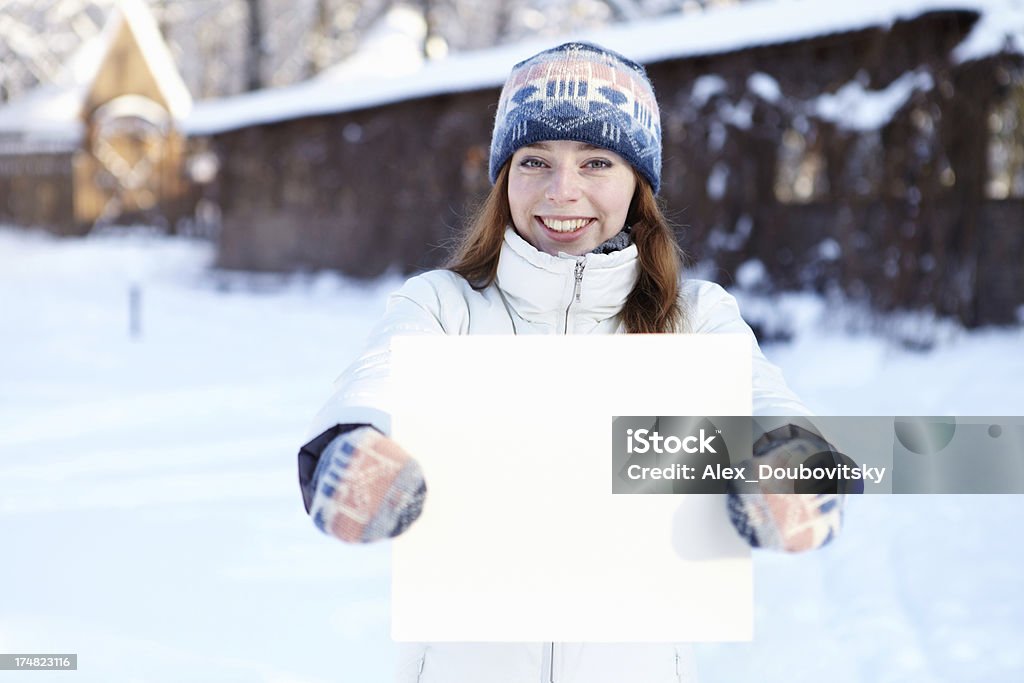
(536, 293)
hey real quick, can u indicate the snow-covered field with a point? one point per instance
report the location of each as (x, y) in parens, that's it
(150, 519)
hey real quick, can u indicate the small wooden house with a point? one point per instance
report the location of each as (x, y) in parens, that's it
(103, 145)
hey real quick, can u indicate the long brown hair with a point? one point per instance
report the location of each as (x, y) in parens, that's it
(652, 305)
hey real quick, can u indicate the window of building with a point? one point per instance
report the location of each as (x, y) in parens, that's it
(800, 171)
(1006, 144)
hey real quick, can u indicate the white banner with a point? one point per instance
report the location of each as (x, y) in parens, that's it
(521, 538)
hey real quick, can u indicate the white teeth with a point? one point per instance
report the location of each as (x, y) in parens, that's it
(565, 226)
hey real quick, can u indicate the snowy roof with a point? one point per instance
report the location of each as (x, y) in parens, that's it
(156, 55)
(391, 47)
(1001, 27)
(720, 30)
(51, 113)
(46, 117)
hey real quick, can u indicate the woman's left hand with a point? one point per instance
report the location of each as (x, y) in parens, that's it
(772, 515)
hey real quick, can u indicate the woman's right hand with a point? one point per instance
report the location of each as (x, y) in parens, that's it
(367, 488)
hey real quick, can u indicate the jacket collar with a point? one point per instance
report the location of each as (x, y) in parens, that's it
(539, 286)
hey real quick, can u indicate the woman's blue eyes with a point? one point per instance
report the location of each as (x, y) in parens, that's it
(592, 163)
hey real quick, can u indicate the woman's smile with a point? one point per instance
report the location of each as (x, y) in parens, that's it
(564, 225)
(564, 230)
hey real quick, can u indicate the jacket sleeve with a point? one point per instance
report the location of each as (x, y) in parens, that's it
(712, 310)
(363, 393)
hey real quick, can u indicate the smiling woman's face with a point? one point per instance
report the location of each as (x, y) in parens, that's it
(568, 196)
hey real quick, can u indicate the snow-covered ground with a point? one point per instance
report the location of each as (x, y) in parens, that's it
(150, 519)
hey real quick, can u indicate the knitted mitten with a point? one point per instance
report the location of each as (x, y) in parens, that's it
(367, 488)
(773, 516)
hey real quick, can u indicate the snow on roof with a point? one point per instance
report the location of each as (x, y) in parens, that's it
(1000, 27)
(771, 22)
(392, 47)
(157, 56)
(51, 113)
(713, 31)
(46, 116)
(854, 108)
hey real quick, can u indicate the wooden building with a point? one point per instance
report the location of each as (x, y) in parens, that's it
(103, 145)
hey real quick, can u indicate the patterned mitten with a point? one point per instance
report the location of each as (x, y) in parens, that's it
(367, 488)
(773, 516)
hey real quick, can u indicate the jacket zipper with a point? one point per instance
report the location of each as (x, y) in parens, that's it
(548, 676)
(423, 661)
(581, 263)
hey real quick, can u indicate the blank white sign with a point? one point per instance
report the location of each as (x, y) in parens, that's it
(521, 538)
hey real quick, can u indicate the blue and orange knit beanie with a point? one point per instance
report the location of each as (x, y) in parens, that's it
(584, 93)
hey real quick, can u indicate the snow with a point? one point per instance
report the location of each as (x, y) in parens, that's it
(751, 274)
(49, 117)
(740, 114)
(840, 362)
(45, 117)
(717, 181)
(392, 47)
(706, 87)
(764, 86)
(829, 249)
(1000, 28)
(713, 31)
(156, 55)
(390, 66)
(458, 72)
(854, 108)
(149, 512)
(151, 521)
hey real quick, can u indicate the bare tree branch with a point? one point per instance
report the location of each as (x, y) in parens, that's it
(624, 10)
(254, 54)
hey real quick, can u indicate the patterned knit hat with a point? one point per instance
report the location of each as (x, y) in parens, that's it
(584, 93)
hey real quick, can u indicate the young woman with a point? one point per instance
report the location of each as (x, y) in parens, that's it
(570, 240)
